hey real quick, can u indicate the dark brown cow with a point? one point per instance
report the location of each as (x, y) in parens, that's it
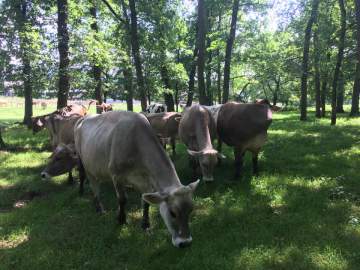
(244, 127)
(38, 122)
(165, 125)
(197, 130)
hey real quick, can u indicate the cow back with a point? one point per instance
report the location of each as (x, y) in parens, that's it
(237, 123)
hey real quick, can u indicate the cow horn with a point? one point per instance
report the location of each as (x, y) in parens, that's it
(194, 185)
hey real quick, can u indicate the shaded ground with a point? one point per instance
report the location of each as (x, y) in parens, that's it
(300, 213)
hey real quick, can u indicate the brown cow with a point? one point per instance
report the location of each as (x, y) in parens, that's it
(197, 130)
(127, 152)
(103, 107)
(38, 122)
(265, 101)
(165, 125)
(61, 130)
(244, 127)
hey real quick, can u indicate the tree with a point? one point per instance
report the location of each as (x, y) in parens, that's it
(97, 70)
(339, 61)
(305, 61)
(136, 54)
(201, 37)
(317, 74)
(229, 45)
(63, 46)
(356, 89)
(24, 27)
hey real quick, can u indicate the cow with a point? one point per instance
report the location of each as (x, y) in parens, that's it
(156, 108)
(265, 101)
(244, 127)
(165, 125)
(38, 122)
(197, 130)
(127, 153)
(61, 130)
(103, 107)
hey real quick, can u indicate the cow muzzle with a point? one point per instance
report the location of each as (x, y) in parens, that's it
(45, 176)
(180, 242)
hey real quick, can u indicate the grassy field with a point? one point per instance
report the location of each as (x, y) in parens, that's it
(302, 212)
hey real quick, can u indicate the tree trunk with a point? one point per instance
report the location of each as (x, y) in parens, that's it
(208, 80)
(192, 79)
(228, 52)
(340, 94)
(127, 71)
(340, 57)
(317, 75)
(97, 70)
(276, 92)
(136, 54)
(22, 11)
(305, 61)
(356, 88)
(218, 69)
(2, 143)
(323, 96)
(168, 97)
(63, 46)
(201, 56)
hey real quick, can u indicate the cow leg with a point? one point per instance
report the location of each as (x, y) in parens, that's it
(173, 145)
(82, 176)
(70, 178)
(255, 157)
(145, 223)
(95, 187)
(121, 196)
(239, 155)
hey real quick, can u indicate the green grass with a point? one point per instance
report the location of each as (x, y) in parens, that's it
(302, 212)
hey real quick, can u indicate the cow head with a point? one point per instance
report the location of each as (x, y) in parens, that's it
(208, 159)
(37, 123)
(63, 159)
(175, 209)
(274, 108)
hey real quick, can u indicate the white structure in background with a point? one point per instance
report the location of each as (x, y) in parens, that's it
(156, 108)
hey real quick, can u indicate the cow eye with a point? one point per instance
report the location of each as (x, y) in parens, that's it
(172, 214)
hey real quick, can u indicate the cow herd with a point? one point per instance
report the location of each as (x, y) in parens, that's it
(128, 149)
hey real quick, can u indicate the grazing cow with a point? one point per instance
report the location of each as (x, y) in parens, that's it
(38, 122)
(165, 125)
(244, 127)
(214, 111)
(156, 108)
(197, 130)
(127, 153)
(61, 130)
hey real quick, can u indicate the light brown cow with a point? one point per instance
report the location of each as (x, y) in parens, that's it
(165, 125)
(38, 122)
(244, 127)
(197, 130)
(127, 152)
(61, 130)
(103, 107)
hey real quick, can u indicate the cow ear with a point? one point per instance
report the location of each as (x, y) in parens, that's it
(178, 119)
(194, 185)
(194, 153)
(154, 198)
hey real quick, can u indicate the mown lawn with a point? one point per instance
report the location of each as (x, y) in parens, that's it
(302, 212)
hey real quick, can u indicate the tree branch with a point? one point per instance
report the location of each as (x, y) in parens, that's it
(117, 16)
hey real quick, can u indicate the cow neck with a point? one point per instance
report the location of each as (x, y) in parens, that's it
(164, 177)
(202, 133)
